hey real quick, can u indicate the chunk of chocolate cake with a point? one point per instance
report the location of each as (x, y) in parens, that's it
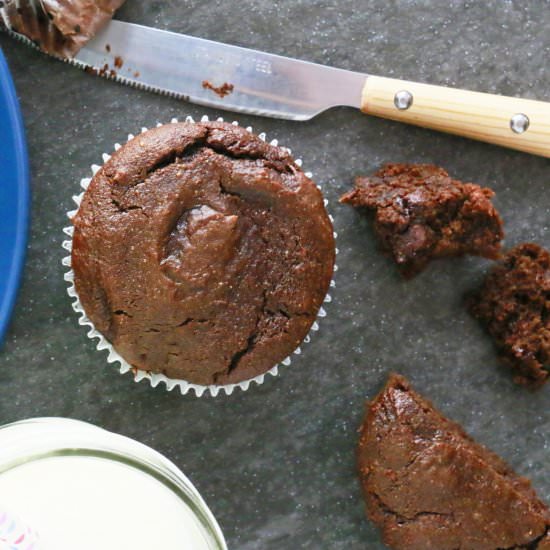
(59, 27)
(421, 213)
(514, 304)
(429, 486)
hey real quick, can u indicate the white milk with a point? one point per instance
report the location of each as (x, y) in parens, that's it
(89, 503)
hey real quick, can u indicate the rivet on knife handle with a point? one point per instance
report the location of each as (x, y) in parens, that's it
(517, 123)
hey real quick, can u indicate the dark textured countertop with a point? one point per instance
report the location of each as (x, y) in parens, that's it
(276, 464)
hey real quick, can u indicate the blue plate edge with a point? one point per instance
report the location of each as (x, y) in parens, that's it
(7, 302)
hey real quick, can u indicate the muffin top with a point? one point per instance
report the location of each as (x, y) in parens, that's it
(202, 252)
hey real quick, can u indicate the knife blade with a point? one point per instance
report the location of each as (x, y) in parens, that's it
(250, 81)
(219, 75)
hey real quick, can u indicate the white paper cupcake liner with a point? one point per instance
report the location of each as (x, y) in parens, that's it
(154, 378)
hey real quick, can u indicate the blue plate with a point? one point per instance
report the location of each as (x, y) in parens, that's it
(14, 195)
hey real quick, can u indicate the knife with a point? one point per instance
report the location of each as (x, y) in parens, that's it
(249, 81)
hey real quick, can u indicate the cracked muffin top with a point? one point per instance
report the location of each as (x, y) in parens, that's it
(429, 486)
(202, 252)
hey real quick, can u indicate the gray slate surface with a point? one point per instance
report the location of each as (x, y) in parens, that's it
(276, 464)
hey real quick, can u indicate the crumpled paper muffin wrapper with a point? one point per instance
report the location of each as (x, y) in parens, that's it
(156, 379)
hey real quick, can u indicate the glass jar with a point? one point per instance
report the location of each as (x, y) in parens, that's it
(81, 487)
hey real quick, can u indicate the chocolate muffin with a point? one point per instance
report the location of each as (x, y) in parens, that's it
(514, 304)
(202, 253)
(421, 213)
(429, 486)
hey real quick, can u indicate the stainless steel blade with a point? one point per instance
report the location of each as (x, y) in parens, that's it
(183, 66)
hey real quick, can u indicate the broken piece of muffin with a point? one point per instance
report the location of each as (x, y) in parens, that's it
(429, 486)
(421, 213)
(58, 27)
(514, 304)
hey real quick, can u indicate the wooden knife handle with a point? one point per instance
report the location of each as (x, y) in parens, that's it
(517, 123)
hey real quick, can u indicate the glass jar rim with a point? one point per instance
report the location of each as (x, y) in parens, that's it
(68, 437)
